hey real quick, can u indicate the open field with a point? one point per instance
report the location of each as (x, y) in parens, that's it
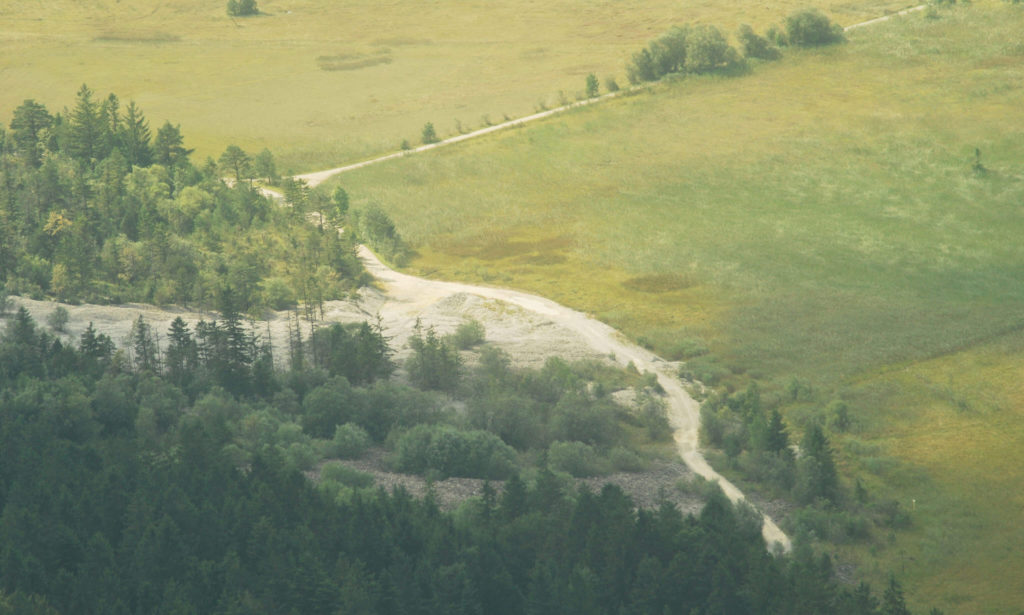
(324, 83)
(818, 219)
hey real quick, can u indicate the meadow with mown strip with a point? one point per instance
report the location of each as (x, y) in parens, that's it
(846, 220)
(325, 83)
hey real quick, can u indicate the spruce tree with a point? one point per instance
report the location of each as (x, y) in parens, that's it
(134, 137)
(85, 128)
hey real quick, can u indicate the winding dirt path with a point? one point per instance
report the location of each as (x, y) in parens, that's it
(406, 297)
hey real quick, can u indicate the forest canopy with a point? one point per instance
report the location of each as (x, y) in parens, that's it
(95, 207)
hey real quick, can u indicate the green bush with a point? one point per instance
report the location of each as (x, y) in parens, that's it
(470, 333)
(576, 458)
(429, 134)
(756, 46)
(707, 50)
(624, 460)
(811, 28)
(434, 364)
(452, 452)
(300, 456)
(342, 474)
(242, 8)
(350, 441)
(58, 319)
(380, 233)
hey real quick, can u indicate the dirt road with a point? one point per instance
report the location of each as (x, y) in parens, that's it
(407, 297)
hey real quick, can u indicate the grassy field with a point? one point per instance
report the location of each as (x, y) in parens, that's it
(323, 83)
(818, 219)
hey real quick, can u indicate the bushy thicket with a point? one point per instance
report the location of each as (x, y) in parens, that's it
(689, 49)
(119, 493)
(702, 48)
(811, 28)
(755, 440)
(94, 207)
(242, 8)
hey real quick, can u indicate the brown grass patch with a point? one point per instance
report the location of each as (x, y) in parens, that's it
(349, 61)
(136, 37)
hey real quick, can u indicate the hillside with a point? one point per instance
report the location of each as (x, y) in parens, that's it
(823, 225)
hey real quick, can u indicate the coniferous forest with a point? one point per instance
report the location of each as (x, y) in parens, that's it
(134, 487)
(190, 478)
(95, 207)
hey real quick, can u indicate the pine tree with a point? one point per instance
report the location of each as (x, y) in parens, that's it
(778, 439)
(86, 128)
(28, 124)
(168, 148)
(181, 358)
(817, 470)
(134, 137)
(892, 600)
(110, 114)
(143, 346)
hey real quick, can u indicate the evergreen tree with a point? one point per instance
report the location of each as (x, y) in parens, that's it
(181, 357)
(86, 129)
(778, 439)
(134, 137)
(110, 114)
(892, 600)
(144, 348)
(235, 160)
(817, 475)
(168, 147)
(29, 122)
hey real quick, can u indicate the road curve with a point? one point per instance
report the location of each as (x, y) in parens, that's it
(407, 296)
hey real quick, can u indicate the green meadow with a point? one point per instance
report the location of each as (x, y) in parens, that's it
(325, 83)
(825, 219)
(818, 220)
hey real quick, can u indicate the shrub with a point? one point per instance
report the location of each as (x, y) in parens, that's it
(576, 458)
(341, 473)
(300, 456)
(350, 441)
(611, 84)
(434, 365)
(625, 460)
(377, 230)
(5, 301)
(58, 318)
(811, 28)
(707, 50)
(429, 135)
(654, 419)
(575, 417)
(451, 452)
(592, 85)
(469, 334)
(242, 8)
(756, 46)
(328, 406)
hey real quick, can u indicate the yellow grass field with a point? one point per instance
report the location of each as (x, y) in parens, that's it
(395, 65)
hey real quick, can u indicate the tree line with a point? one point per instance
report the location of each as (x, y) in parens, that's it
(95, 207)
(703, 48)
(121, 492)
